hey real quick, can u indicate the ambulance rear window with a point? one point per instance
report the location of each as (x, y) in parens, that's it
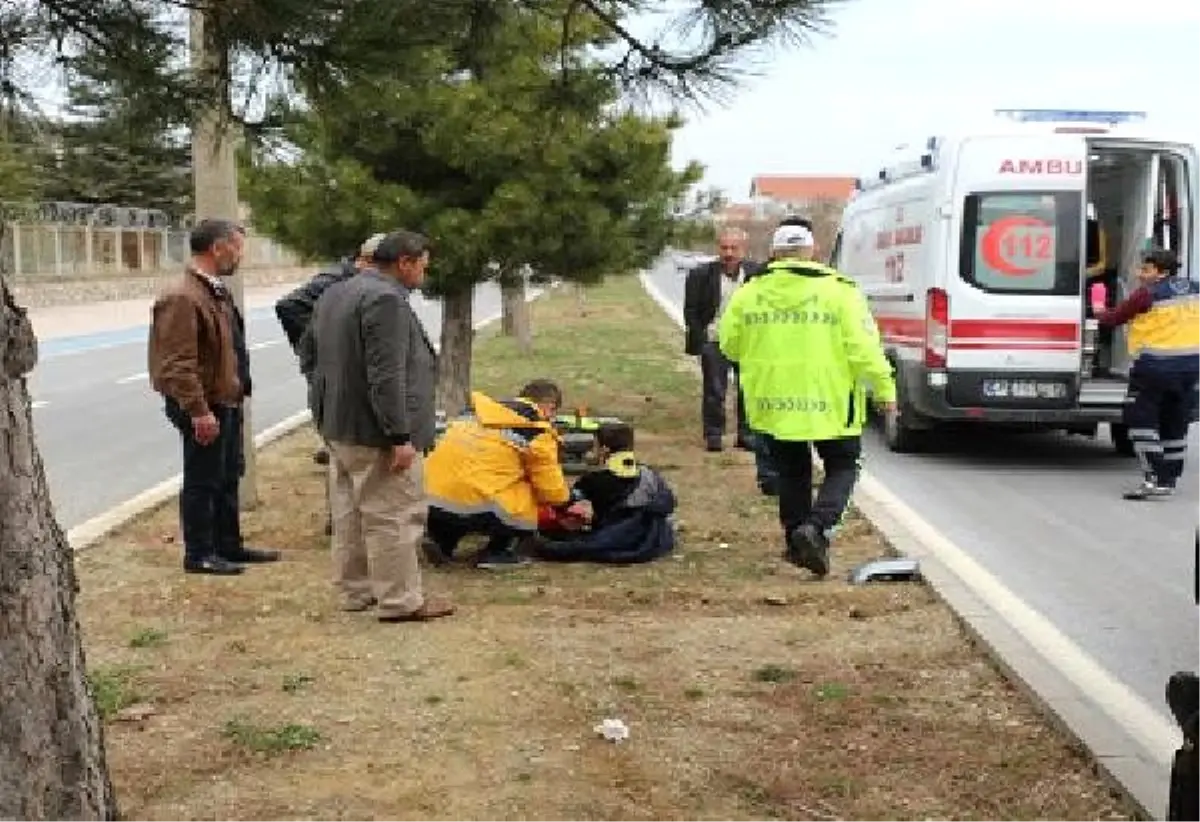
(1023, 242)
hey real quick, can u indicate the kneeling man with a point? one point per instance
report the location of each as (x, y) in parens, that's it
(489, 473)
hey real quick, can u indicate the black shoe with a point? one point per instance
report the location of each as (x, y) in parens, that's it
(214, 565)
(321, 456)
(328, 527)
(809, 548)
(769, 488)
(251, 556)
(743, 444)
(713, 445)
(435, 554)
(501, 561)
(1149, 489)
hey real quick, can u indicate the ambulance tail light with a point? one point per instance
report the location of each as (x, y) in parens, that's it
(937, 327)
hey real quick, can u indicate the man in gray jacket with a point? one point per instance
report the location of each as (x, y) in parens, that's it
(372, 396)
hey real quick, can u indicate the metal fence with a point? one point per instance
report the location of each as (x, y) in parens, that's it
(38, 250)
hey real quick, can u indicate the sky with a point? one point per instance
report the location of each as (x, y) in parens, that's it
(896, 71)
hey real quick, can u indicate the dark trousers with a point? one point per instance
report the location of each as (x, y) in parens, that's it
(208, 500)
(715, 369)
(764, 467)
(447, 530)
(1158, 411)
(794, 464)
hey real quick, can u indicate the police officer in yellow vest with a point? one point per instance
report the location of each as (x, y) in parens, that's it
(1164, 343)
(807, 347)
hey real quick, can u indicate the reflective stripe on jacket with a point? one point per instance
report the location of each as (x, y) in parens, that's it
(500, 458)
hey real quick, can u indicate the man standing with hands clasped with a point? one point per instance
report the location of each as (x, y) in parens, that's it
(806, 348)
(372, 396)
(199, 362)
(707, 292)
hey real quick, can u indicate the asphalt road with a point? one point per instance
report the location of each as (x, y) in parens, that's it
(101, 429)
(1044, 514)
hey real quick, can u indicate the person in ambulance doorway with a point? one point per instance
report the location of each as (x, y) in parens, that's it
(706, 293)
(807, 348)
(1163, 315)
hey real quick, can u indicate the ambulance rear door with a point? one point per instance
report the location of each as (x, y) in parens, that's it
(1015, 259)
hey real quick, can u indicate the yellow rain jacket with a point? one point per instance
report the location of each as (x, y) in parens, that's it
(501, 458)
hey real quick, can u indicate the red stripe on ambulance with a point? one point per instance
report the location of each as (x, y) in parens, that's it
(987, 335)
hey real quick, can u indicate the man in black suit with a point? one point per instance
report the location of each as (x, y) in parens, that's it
(706, 292)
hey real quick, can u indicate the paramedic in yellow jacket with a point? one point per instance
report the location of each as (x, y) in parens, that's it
(1163, 315)
(806, 348)
(489, 473)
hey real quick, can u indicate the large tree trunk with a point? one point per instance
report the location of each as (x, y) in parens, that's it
(52, 763)
(454, 359)
(515, 321)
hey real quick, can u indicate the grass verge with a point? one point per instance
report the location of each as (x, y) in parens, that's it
(750, 692)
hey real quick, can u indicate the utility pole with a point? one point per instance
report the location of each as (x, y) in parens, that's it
(214, 177)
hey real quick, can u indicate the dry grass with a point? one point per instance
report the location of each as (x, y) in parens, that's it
(750, 692)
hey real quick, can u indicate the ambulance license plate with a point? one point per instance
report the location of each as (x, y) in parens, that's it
(1024, 390)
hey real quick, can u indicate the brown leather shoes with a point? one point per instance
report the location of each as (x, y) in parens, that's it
(434, 608)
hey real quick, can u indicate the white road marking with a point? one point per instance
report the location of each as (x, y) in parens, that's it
(141, 376)
(262, 345)
(39, 404)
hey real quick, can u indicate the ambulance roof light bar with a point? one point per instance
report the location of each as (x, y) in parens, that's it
(1052, 115)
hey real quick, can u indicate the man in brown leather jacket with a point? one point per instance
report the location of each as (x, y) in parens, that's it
(198, 362)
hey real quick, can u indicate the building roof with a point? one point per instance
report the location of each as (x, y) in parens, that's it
(797, 187)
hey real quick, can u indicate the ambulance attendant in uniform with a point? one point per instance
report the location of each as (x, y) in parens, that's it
(1163, 315)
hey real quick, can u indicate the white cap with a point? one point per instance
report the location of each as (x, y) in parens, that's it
(367, 249)
(792, 236)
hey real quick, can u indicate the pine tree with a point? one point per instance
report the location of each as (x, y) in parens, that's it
(119, 144)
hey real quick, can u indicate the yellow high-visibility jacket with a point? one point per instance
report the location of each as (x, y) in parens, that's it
(500, 458)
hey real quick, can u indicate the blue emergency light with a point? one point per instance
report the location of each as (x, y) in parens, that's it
(1054, 115)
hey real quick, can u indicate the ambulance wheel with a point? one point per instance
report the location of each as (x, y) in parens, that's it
(1120, 439)
(899, 436)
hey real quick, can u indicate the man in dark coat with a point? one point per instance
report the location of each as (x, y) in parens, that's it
(706, 292)
(295, 309)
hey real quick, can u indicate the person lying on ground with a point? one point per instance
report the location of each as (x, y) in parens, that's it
(629, 506)
(490, 472)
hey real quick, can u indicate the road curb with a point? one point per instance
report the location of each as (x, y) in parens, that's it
(88, 533)
(1100, 715)
(1127, 742)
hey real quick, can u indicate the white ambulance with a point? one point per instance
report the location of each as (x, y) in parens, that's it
(979, 255)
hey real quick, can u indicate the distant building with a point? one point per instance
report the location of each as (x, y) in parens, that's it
(776, 194)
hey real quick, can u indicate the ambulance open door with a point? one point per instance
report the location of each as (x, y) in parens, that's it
(1139, 186)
